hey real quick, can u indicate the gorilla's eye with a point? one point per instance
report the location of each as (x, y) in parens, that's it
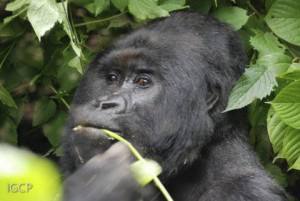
(143, 80)
(112, 77)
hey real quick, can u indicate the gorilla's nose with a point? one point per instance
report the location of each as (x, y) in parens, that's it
(108, 105)
(113, 104)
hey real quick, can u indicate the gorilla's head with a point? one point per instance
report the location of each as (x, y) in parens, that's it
(162, 87)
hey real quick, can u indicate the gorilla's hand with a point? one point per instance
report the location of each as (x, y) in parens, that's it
(106, 177)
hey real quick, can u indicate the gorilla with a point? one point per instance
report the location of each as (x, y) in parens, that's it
(164, 88)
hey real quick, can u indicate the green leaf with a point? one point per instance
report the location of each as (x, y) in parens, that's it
(16, 5)
(279, 62)
(43, 14)
(268, 4)
(294, 66)
(284, 20)
(291, 145)
(44, 109)
(62, 8)
(146, 9)
(285, 139)
(292, 75)
(234, 16)
(257, 82)
(75, 63)
(16, 14)
(277, 174)
(53, 129)
(6, 98)
(296, 165)
(266, 43)
(11, 30)
(276, 130)
(121, 5)
(144, 171)
(287, 104)
(171, 5)
(67, 78)
(257, 113)
(100, 6)
(178, 2)
(89, 5)
(118, 22)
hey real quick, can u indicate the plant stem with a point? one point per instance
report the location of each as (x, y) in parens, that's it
(162, 189)
(99, 21)
(119, 138)
(254, 9)
(7, 53)
(61, 98)
(157, 182)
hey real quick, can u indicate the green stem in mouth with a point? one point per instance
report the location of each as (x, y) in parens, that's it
(157, 182)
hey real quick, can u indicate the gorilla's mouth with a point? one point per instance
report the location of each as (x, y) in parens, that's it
(90, 141)
(95, 132)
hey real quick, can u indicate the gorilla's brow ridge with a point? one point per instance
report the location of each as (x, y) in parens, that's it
(133, 59)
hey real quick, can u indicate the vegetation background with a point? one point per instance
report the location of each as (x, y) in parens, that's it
(45, 46)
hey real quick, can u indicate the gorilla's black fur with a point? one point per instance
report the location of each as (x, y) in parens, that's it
(164, 87)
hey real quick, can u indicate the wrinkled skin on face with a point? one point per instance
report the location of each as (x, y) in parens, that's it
(163, 88)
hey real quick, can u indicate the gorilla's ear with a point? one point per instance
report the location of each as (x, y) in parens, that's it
(212, 97)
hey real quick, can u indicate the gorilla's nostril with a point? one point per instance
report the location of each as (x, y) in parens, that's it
(105, 106)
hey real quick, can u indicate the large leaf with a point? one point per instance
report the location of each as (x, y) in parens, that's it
(6, 98)
(234, 16)
(292, 75)
(62, 7)
(100, 6)
(54, 128)
(284, 20)
(171, 5)
(120, 4)
(75, 63)
(266, 43)
(291, 145)
(118, 22)
(287, 104)
(279, 62)
(285, 139)
(16, 5)
(43, 14)
(44, 109)
(294, 66)
(257, 82)
(276, 129)
(296, 165)
(146, 9)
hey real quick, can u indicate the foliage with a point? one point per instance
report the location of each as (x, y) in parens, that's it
(47, 44)
(23, 171)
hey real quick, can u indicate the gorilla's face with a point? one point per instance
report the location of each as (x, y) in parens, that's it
(142, 90)
(162, 87)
